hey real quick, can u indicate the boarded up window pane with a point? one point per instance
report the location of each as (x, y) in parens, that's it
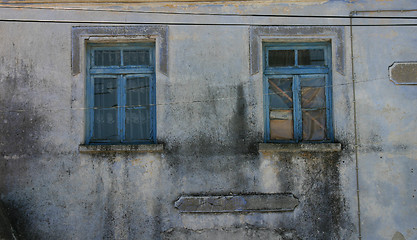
(311, 57)
(281, 105)
(281, 125)
(107, 58)
(314, 125)
(136, 57)
(280, 93)
(280, 58)
(298, 86)
(313, 93)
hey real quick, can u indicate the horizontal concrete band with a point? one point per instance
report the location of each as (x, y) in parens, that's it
(121, 148)
(279, 202)
(300, 147)
(139, 1)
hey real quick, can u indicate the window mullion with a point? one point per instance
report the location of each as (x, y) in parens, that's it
(90, 95)
(90, 105)
(328, 92)
(152, 102)
(121, 107)
(122, 63)
(298, 128)
(266, 107)
(296, 57)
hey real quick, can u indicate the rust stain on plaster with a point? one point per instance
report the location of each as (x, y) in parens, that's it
(136, 162)
(267, 154)
(391, 35)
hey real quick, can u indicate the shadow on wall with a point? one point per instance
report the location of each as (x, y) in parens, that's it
(6, 230)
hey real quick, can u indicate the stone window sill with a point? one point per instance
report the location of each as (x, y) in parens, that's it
(300, 147)
(143, 148)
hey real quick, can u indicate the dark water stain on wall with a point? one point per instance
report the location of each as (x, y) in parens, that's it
(21, 128)
(224, 147)
(233, 167)
(198, 164)
(322, 204)
(239, 124)
(21, 123)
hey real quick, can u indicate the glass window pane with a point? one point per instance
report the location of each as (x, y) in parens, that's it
(105, 108)
(138, 124)
(311, 57)
(317, 81)
(313, 92)
(107, 58)
(136, 57)
(314, 125)
(105, 124)
(137, 91)
(281, 125)
(105, 92)
(280, 93)
(280, 58)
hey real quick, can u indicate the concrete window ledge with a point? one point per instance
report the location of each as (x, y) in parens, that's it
(300, 147)
(144, 148)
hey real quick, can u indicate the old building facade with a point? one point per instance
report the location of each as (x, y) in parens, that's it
(286, 119)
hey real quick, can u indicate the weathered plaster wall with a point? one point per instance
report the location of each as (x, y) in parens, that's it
(387, 129)
(210, 121)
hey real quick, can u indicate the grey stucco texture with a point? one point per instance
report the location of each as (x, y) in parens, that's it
(210, 129)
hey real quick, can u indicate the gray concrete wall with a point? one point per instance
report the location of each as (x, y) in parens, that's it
(387, 133)
(210, 120)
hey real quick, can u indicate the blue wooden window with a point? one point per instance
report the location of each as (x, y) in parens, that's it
(297, 92)
(121, 93)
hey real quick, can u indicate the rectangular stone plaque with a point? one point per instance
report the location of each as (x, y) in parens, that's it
(403, 73)
(278, 202)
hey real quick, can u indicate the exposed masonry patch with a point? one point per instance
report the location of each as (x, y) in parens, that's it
(257, 34)
(403, 73)
(81, 33)
(279, 202)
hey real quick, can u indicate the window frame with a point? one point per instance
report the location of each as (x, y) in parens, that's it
(296, 72)
(121, 73)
